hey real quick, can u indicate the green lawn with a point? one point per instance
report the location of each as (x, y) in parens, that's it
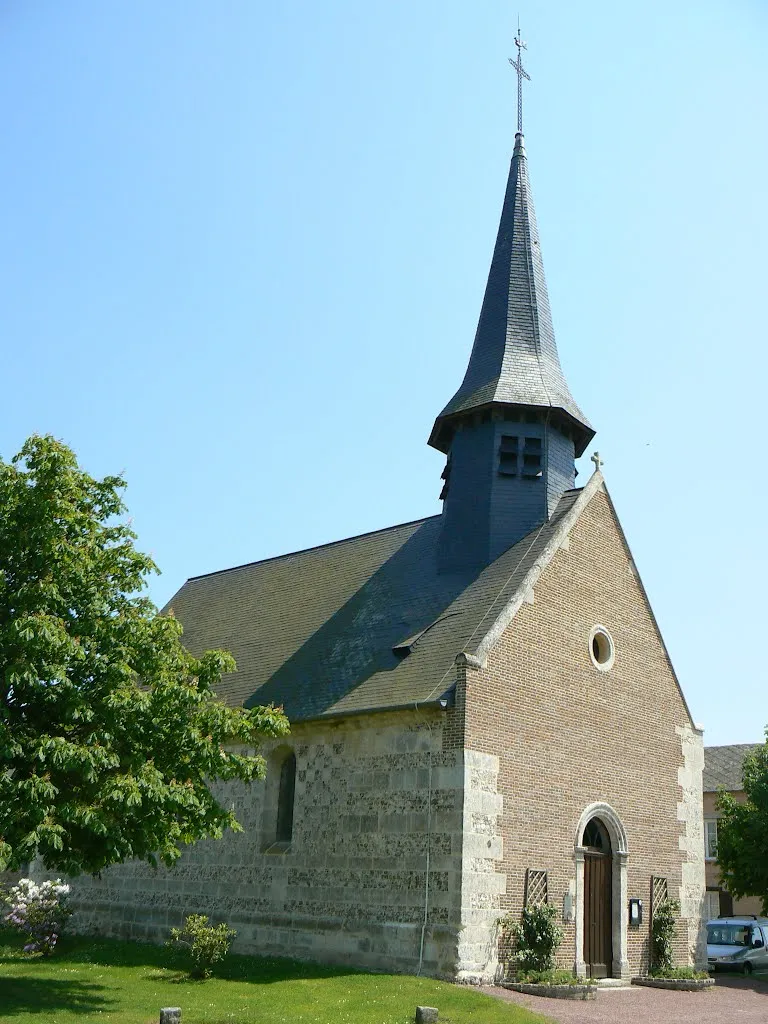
(128, 982)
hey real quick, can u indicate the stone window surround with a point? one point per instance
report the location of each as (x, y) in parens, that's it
(270, 844)
(620, 854)
(607, 665)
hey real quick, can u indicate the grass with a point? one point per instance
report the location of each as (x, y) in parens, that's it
(100, 980)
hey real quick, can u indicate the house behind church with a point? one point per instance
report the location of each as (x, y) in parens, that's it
(483, 709)
(723, 771)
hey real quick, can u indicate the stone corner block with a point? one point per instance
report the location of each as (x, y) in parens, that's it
(426, 1015)
(477, 759)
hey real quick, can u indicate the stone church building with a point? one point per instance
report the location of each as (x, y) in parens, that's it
(483, 709)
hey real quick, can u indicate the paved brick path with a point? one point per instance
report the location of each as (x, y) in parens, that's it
(733, 1000)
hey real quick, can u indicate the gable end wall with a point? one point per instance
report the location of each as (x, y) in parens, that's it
(567, 735)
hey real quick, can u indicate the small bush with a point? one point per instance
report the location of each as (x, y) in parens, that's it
(680, 973)
(537, 937)
(662, 934)
(207, 944)
(553, 978)
(40, 911)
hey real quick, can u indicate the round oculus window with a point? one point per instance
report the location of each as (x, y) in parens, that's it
(601, 648)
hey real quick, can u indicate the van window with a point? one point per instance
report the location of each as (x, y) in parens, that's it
(728, 935)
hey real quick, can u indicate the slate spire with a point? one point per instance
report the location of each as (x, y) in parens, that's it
(512, 432)
(514, 360)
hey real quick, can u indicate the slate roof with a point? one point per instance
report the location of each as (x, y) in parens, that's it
(722, 766)
(316, 630)
(514, 358)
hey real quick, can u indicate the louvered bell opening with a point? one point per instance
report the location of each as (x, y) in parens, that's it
(532, 457)
(508, 455)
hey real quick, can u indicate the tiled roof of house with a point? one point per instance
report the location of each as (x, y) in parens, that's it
(722, 766)
(362, 624)
(514, 358)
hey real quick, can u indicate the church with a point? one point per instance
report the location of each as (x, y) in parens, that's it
(483, 711)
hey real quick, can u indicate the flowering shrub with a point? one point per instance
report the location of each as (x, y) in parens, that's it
(537, 937)
(207, 944)
(39, 910)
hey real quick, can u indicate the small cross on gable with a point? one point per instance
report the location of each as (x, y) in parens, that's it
(597, 461)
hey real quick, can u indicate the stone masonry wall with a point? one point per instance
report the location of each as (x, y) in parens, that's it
(352, 887)
(690, 813)
(482, 883)
(567, 735)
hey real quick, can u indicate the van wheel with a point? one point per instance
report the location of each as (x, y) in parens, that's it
(747, 968)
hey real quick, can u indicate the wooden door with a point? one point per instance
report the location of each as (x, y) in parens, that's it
(598, 942)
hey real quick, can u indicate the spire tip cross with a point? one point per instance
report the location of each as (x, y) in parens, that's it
(521, 74)
(597, 461)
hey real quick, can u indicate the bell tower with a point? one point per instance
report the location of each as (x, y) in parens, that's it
(512, 431)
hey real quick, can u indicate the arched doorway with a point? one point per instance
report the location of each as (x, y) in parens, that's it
(598, 917)
(600, 855)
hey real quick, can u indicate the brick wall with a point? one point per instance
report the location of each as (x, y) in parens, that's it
(567, 735)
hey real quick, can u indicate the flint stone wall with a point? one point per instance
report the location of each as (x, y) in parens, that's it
(371, 793)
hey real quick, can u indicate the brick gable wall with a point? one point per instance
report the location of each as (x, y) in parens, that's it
(567, 735)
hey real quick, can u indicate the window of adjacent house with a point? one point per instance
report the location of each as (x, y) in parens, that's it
(286, 792)
(710, 839)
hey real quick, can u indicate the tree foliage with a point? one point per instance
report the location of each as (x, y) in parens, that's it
(110, 731)
(742, 832)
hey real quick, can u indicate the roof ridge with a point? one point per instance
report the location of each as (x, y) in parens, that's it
(732, 746)
(312, 547)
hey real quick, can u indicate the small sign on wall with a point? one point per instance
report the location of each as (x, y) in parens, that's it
(635, 913)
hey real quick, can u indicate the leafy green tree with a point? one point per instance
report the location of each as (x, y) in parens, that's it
(742, 832)
(110, 731)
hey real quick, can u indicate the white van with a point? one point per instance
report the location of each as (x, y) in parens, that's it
(738, 943)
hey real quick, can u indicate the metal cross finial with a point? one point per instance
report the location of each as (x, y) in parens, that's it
(521, 74)
(597, 461)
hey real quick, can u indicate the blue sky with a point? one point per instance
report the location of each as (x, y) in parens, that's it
(243, 248)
